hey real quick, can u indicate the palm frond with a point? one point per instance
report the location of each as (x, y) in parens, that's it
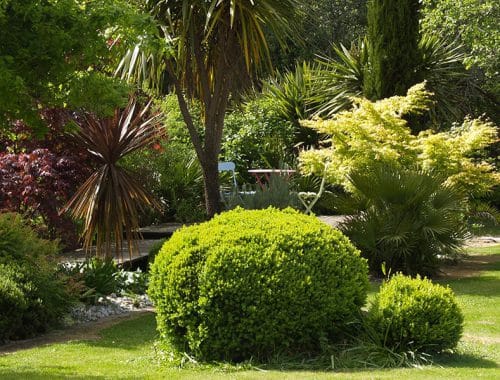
(339, 78)
(412, 218)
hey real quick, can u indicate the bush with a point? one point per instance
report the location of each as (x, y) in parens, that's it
(12, 303)
(417, 315)
(277, 193)
(256, 283)
(39, 175)
(409, 220)
(154, 249)
(32, 296)
(173, 173)
(376, 133)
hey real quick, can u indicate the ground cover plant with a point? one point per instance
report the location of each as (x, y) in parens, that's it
(256, 284)
(126, 350)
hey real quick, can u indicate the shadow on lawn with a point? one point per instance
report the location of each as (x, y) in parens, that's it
(64, 373)
(464, 361)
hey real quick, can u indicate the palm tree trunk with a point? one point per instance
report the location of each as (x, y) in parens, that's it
(211, 182)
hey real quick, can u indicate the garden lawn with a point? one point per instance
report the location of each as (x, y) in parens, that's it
(126, 349)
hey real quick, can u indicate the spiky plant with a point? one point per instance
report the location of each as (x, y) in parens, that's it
(290, 91)
(443, 68)
(110, 200)
(339, 78)
(411, 220)
(207, 50)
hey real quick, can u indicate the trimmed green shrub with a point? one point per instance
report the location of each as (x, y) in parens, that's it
(415, 314)
(256, 283)
(154, 249)
(32, 295)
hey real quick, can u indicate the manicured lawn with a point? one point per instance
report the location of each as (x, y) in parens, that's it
(126, 350)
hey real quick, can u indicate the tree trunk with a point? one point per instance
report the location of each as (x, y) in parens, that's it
(211, 181)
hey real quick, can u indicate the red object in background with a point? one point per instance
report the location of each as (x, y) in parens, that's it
(39, 174)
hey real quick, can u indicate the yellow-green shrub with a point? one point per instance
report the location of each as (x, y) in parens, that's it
(415, 314)
(377, 133)
(256, 283)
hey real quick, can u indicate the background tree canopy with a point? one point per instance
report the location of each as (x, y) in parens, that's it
(54, 54)
(475, 24)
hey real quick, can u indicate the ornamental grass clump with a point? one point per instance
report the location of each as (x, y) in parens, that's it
(413, 314)
(253, 284)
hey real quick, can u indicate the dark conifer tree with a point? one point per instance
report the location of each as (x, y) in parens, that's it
(393, 34)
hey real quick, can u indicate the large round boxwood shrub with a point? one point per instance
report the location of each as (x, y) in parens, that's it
(256, 283)
(415, 314)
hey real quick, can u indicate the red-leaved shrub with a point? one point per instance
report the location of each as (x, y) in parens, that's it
(39, 174)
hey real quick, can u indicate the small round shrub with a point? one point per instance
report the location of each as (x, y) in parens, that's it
(415, 314)
(255, 284)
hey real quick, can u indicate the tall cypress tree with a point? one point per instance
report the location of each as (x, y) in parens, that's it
(393, 35)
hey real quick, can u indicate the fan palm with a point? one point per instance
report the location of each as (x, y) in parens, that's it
(110, 200)
(206, 50)
(411, 219)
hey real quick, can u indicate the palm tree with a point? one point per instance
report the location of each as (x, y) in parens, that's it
(206, 50)
(110, 200)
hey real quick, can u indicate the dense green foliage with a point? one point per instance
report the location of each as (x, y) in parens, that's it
(173, 174)
(409, 220)
(257, 136)
(50, 58)
(321, 23)
(170, 169)
(393, 33)
(475, 24)
(32, 297)
(417, 315)
(256, 283)
(377, 132)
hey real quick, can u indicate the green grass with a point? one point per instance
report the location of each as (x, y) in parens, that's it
(126, 351)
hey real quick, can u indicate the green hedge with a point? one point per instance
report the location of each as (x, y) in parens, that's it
(415, 314)
(32, 296)
(256, 283)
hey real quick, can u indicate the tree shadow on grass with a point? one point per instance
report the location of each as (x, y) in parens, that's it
(464, 360)
(62, 373)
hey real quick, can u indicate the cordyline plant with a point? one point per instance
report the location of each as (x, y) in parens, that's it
(110, 200)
